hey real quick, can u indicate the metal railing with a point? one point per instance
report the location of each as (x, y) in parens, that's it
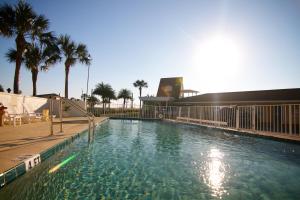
(61, 101)
(281, 118)
(89, 115)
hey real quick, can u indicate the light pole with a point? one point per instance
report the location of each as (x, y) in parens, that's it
(87, 84)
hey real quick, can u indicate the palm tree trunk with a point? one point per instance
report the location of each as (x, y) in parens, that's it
(20, 43)
(103, 106)
(67, 70)
(140, 101)
(34, 75)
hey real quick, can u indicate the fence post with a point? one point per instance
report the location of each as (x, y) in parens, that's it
(179, 112)
(253, 117)
(290, 119)
(189, 109)
(237, 118)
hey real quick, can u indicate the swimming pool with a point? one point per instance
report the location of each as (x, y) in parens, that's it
(161, 160)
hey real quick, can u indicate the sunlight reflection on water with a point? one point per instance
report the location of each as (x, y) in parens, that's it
(214, 174)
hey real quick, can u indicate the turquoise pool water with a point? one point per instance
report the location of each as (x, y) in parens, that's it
(159, 160)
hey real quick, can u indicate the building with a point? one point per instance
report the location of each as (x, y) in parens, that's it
(171, 92)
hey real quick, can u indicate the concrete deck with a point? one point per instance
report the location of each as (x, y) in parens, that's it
(27, 139)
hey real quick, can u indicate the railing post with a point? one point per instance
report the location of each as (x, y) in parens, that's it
(189, 110)
(253, 117)
(237, 118)
(179, 112)
(290, 120)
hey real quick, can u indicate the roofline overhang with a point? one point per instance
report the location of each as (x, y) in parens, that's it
(238, 102)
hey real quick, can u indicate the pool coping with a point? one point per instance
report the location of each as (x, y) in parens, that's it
(17, 171)
(237, 132)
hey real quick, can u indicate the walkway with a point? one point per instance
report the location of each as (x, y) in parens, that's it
(18, 142)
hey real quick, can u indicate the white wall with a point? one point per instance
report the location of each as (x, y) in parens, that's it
(19, 104)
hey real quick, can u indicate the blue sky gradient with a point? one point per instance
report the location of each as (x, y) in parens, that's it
(132, 39)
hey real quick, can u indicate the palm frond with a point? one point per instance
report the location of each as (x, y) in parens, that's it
(11, 55)
(1, 88)
(140, 84)
(7, 20)
(24, 17)
(83, 54)
(124, 94)
(32, 57)
(40, 24)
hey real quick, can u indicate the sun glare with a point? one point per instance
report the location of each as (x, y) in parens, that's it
(218, 57)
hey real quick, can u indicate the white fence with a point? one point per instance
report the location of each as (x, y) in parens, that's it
(20, 104)
(282, 118)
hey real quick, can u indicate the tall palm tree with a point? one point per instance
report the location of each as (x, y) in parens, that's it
(20, 21)
(124, 94)
(72, 52)
(140, 84)
(105, 91)
(36, 59)
(40, 59)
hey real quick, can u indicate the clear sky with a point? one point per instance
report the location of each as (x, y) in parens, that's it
(215, 45)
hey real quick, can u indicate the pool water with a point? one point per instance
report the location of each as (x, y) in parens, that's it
(161, 160)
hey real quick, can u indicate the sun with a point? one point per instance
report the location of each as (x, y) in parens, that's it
(218, 56)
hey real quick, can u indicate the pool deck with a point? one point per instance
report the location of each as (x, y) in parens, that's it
(28, 139)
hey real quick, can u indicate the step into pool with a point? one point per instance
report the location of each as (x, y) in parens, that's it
(129, 159)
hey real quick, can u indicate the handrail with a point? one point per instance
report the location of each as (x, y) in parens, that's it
(71, 103)
(89, 115)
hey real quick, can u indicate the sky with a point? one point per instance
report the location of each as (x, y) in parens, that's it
(215, 45)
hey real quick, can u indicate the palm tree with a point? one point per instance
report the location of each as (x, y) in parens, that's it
(124, 94)
(20, 21)
(105, 91)
(140, 84)
(40, 59)
(84, 96)
(72, 52)
(1, 88)
(92, 101)
(37, 58)
(111, 96)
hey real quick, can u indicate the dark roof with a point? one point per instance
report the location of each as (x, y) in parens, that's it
(47, 95)
(170, 87)
(246, 96)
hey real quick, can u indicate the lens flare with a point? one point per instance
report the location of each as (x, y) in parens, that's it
(64, 162)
